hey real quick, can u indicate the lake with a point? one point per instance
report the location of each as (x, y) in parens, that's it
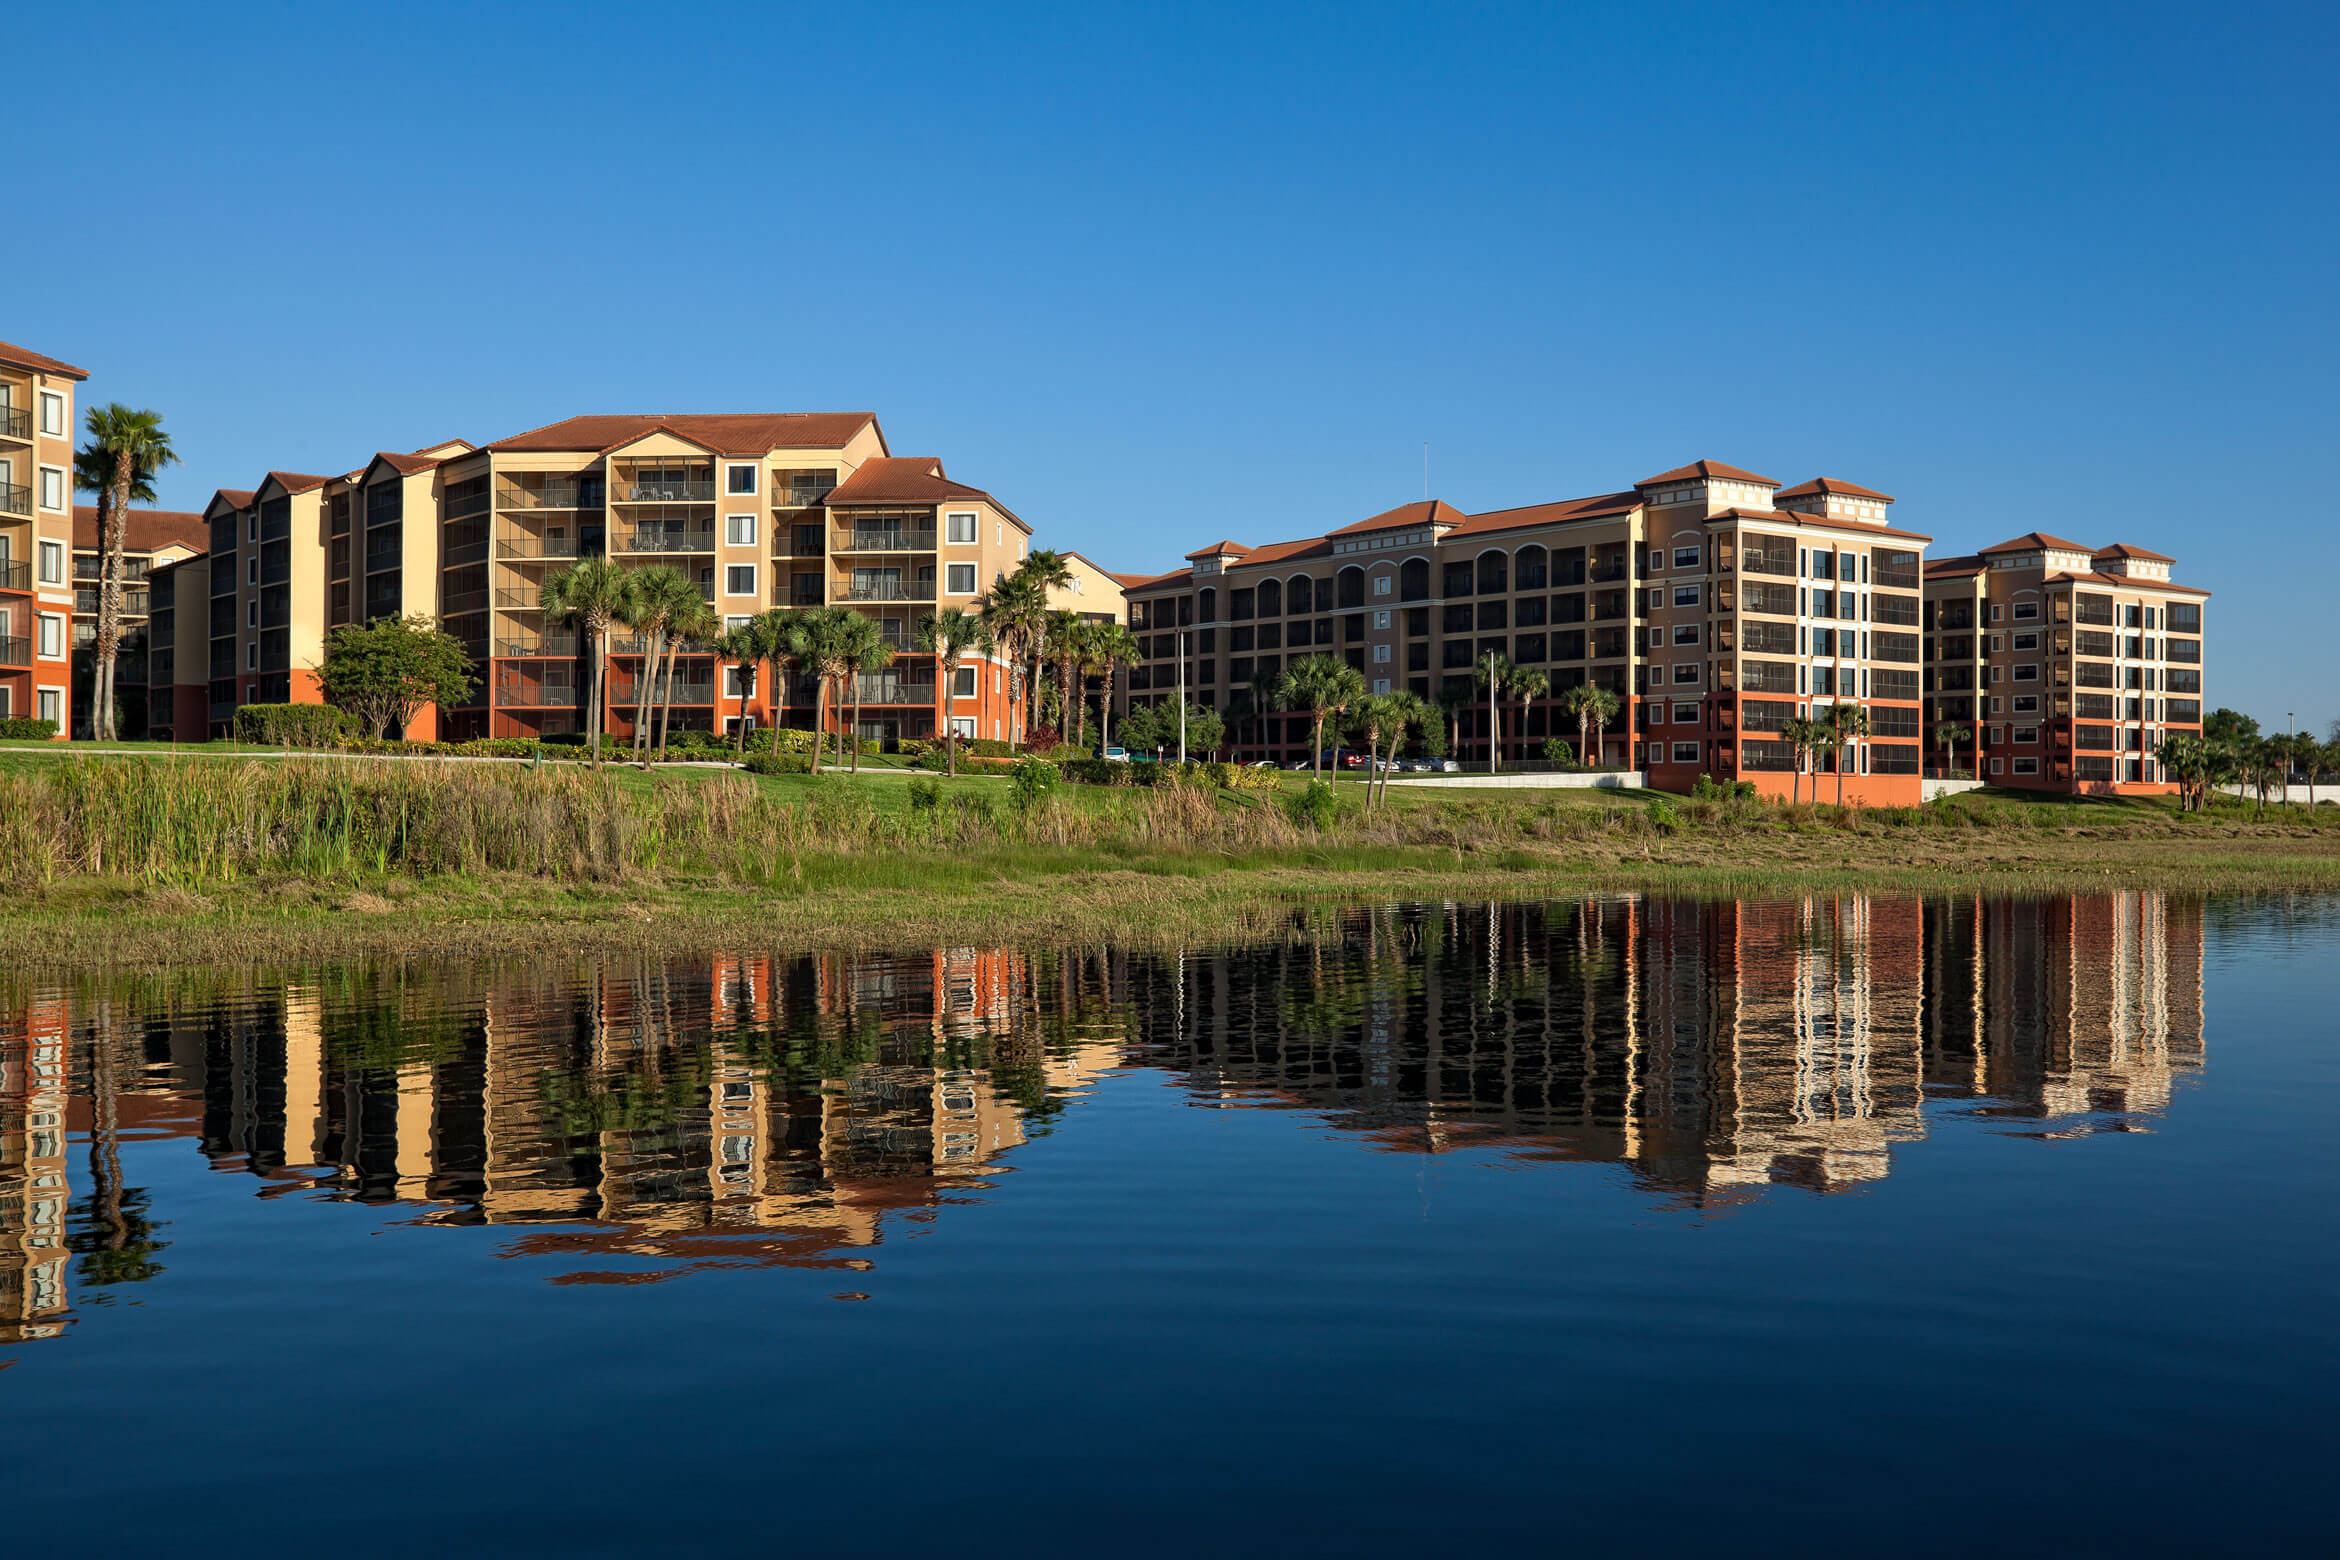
(1851, 1225)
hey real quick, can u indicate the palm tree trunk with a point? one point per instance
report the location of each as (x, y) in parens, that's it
(820, 722)
(855, 674)
(1316, 753)
(666, 723)
(109, 635)
(950, 720)
(643, 678)
(598, 675)
(772, 698)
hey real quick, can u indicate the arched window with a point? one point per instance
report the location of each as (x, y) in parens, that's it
(1414, 580)
(1271, 598)
(1352, 586)
(1298, 597)
(1493, 569)
(1529, 567)
(1209, 610)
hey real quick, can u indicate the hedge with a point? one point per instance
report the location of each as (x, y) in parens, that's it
(26, 728)
(293, 725)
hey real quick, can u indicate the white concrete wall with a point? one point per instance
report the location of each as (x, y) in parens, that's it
(1935, 788)
(1606, 780)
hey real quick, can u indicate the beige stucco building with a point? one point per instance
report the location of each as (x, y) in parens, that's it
(36, 535)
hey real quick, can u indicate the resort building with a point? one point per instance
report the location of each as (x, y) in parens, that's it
(2067, 665)
(151, 538)
(1713, 603)
(759, 510)
(36, 536)
(178, 649)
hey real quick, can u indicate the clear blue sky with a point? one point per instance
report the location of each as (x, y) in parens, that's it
(1157, 275)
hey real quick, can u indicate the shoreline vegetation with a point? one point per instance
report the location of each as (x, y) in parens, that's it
(214, 861)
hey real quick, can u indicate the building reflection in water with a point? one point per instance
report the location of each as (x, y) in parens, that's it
(639, 1121)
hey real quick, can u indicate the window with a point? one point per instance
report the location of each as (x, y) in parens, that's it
(2023, 766)
(2027, 704)
(2024, 734)
(52, 563)
(52, 414)
(1999, 765)
(2027, 641)
(1685, 752)
(1381, 685)
(733, 688)
(1686, 595)
(963, 682)
(1686, 672)
(252, 656)
(1685, 633)
(52, 632)
(52, 707)
(739, 479)
(252, 571)
(739, 579)
(2027, 672)
(1382, 584)
(1685, 714)
(252, 614)
(52, 488)
(741, 528)
(1381, 655)
(960, 529)
(1998, 612)
(1685, 557)
(1381, 618)
(2025, 610)
(959, 579)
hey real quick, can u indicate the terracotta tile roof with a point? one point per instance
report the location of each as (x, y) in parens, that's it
(408, 465)
(143, 530)
(902, 479)
(726, 433)
(1175, 578)
(1705, 468)
(2037, 541)
(295, 481)
(25, 357)
(1819, 485)
(1425, 511)
(1951, 568)
(1132, 581)
(1599, 506)
(2124, 550)
(1287, 552)
(237, 498)
(1821, 522)
(2123, 582)
(1217, 548)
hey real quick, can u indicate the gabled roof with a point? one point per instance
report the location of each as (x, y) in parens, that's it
(1599, 506)
(2037, 541)
(2124, 550)
(234, 498)
(1217, 549)
(143, 530)
(726, 433)
(24, 357)
(1406, 517)
(1829, 485)
(2120, 582)
(1953, 568)
(1819, 522)
(904, 479)
(405, 465)
(1132, 581)
(295, 481)
(1706, 468)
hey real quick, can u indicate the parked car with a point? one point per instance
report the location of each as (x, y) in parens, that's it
(1114, 755)
(1261, 763)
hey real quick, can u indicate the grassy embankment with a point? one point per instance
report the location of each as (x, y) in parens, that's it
(205, 860)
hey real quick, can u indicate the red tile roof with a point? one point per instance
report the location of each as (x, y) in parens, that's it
(726, 433)
(1599, 506)
(2123, 582)
(901, 479)
(1131, 581)
(295, 482)
(237, 498)
(25, 357)
(143, 530)
(1706, 468)
(1822, 522)
(2036, 541)
(2124, 550)
(408, 465)
(1951, 568)
(1820, 485)
(1427, 511)
(1216, 548)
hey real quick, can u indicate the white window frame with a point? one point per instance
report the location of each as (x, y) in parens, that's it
(732, 469)
(1687, 595)
(1690, 758)
(56, 429)
(2023, 766)
(52, 562)
(1686, 557)
(963, 727)
(1381, 685)
(1686, 633)
(738, 521)
(1688, 673)
(64, 482)
(2026, 736)
(1381, 587)
(1381, 655)
(1381, 618)
(1998, 765)
(49, 704)
(959, 528)
(963, 687)
(252, 655)
(49, 627)
(952, 571)
(1685, 714)
(731, 573)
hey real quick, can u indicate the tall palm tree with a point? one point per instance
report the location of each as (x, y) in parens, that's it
(1042, 571)
(1797, 732)
(823, 645)
(866, 651)
(1320, 686)
(694, 623)
(742, 647)
(1845, 722)
(1388, 713)
(137, 446)
(1105, 649)
(660, 592)
(1593, 707)
(948, 636)
(1016, 613)
(1452, 696)
(1492, 672)
(1947, 736)
(1066, 632)
(1527, 685)
(776, 641)
(593, 593)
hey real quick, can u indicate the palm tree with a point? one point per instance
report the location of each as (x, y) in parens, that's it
(659, 593)
(1491, 672)
(866, 651)
(823, 646)
(1042, 571)
(1527, 685)
(1847, 721)
(696, 623)
(742, 646)
(1068, 638)
(1105, 649)
(1452, 696)
(593, 593)
(1379, 713)
(136, 444)
(776, 637)
(1947, 736)
(1824, 741)
(1016, 614)
(1320, 686)
(1594, 707)
(947, 636)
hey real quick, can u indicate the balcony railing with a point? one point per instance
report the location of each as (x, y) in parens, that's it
(549, 644)
(520, 695)
(883, 590)
(553, 495)
(623, 693)
(884, 539)
(15, 422)
(786, 594)
(15, 499)
(526, 547)
(15, 576)
(667, 492)
(461, 601)
(16, 650)
(667, 541)
(1609, 573)
(523, 600)
(800, 497)
(878, 688)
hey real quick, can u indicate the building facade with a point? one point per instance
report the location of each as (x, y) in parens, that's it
(36, 536)
(151, 538)
(2065, 664)
(1713, 603)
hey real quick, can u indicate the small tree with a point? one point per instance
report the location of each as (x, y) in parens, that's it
(1321, 687)
(1845, 722)
(1947, 736)
(386, 671)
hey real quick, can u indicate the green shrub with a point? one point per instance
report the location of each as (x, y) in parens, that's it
(1743, 791)
(296, 725)
(986, 747)
(1703, 789)
(1096, 771)
(1557, 751)
(501, 747)
(1034, 778)
(1664, 816)
(25, 728)
(765, 763)
(926, 794)
(1318, 807)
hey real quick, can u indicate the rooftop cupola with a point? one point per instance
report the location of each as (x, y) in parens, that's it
(1830, 499)
(1709, 484)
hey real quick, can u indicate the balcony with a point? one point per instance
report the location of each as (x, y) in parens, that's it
(885, 539)
(462, 601)
(552, 495)
(1610, 571)
(564, 645)
(16, 650)
(623, 693)
(526, 548)
(700, 541)
(525, 599)
(531, 696)
(15, 576)
(787, 594)
(678, 491)
(15, 422)
(800, 497)
(882, 590)
(15, 499)
(881, 688)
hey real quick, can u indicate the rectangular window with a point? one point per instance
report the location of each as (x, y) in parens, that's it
(1686, 595)
(1685, 714)
(2024, 734)
(1686, 672)
(52, 632)
(52, 488)
(1381, 655)
(740, 529)
(739, 579)
(1685, 557)
(252, 657)
(1685, 752)
(959, 579)
(52, 708)
(963, 682)
(2027, 672)
(1381, 618)
(1382, 584)
(252, 614)
(739, 479)
(732, 686)
(2027, 641)
(1685, 633)
(1381, 685)
(960, 529)
(2027, 704)
(52, 563)
(2023, 766)
(52, 414)
(2026, 610)
(1999, 765)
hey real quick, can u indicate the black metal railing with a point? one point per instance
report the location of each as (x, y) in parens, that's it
(15, 499)
(525, 547)
(15, 422)
(680, 492)
(883, 590)
(884, 539)
(15, 576)
(16, 650)
(667, 541)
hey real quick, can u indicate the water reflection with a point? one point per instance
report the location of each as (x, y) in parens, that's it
(633, 1122)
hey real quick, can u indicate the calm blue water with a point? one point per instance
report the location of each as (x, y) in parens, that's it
(1847, 1226)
